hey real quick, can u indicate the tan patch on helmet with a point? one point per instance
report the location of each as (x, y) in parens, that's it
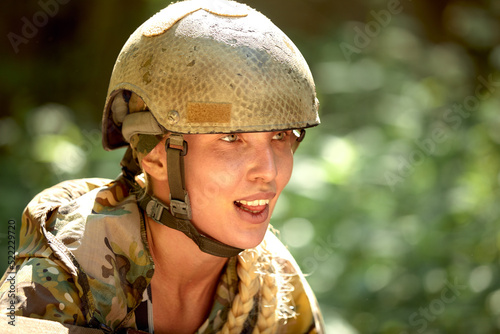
(165, 19)
(209, 112)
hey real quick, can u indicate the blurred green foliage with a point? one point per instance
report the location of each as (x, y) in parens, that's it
(393, 208)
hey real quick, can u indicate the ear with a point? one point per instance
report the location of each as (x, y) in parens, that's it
(155, 162)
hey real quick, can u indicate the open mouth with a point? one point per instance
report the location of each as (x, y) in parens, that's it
(255, 207)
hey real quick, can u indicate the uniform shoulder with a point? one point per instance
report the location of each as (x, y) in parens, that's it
(304, 315)
(60, 194)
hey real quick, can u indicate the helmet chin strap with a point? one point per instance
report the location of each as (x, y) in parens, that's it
(178, 215)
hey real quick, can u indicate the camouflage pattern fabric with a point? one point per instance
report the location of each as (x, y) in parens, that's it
(84, 260)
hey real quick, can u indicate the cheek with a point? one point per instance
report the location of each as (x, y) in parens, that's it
(285, 167)
(209, 180)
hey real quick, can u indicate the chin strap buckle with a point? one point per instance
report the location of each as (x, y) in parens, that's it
(176, 148)
(177, 142)
(154, 209)
(181, 209)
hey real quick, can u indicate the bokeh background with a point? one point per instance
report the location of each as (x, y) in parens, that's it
(393, 208)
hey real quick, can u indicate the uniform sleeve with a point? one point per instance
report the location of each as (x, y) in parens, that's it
(42, 285)
(308, 318)
(41, 289)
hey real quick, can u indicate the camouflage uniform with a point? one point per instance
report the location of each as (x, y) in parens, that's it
(84, 260)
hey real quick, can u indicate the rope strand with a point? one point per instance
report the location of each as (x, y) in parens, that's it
(249, 286)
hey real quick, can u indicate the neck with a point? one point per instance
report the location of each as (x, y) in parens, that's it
(179, 260)
(183, 274)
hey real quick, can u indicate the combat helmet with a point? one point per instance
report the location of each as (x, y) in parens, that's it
(205, 66)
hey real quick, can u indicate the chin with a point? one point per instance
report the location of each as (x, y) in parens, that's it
(247, 239)
(241, 239)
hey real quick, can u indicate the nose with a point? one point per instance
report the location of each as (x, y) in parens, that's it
(262, 165)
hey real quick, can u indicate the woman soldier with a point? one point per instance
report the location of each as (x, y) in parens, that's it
(211, 100)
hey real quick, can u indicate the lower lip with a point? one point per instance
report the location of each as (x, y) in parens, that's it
(253, 218)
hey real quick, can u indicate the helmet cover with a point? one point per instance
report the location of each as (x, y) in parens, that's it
(213, 66)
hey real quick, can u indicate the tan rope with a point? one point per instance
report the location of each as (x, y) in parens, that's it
(256, 272)
(249, 285)
(267, 320)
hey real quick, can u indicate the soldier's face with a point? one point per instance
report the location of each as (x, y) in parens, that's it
(234, 181)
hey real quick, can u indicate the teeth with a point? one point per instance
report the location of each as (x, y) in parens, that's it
(257, 202)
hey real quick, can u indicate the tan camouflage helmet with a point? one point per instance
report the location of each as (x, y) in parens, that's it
(202, 66)
(210, 66)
